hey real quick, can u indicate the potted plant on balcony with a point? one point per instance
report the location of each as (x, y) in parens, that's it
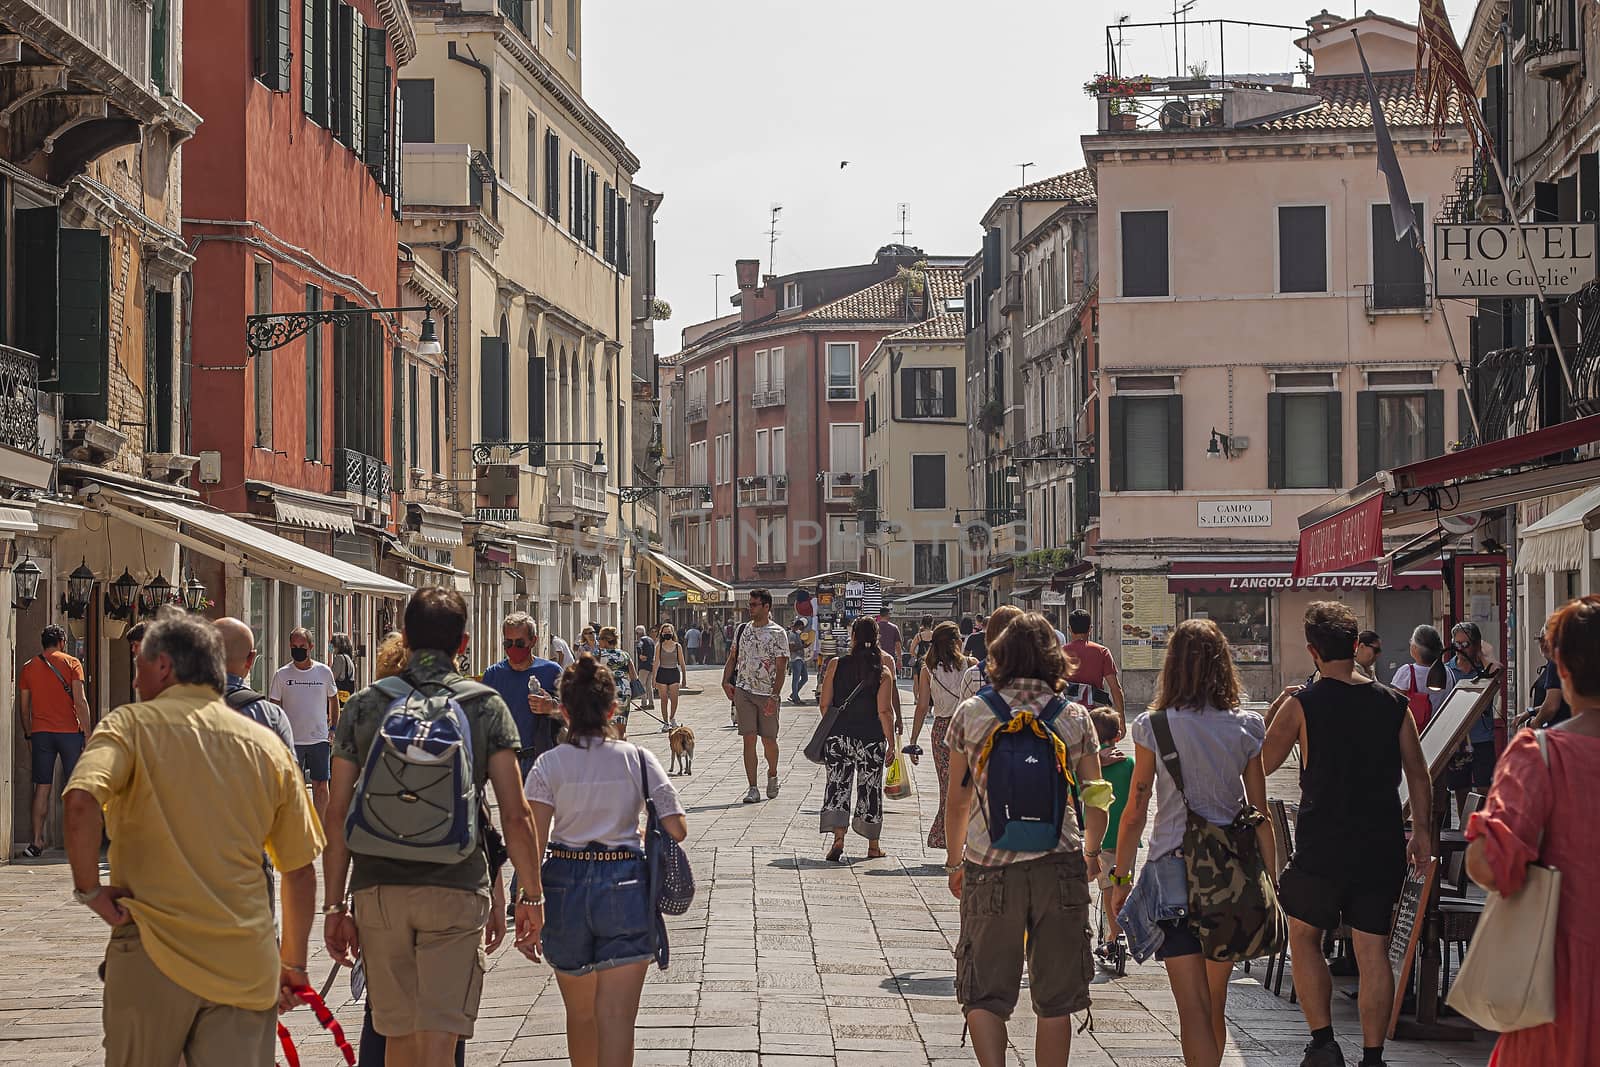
(991, 416)
(1120, 92)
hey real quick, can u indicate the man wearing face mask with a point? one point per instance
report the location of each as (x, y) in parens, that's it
(309, 695)
(511, 677)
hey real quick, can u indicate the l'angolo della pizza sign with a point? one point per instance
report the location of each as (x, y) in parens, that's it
(1487, 260)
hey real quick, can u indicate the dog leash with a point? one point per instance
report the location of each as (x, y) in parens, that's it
(311, 998)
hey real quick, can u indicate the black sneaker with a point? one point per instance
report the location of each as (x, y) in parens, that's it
(32, 852)
(1329, 1055)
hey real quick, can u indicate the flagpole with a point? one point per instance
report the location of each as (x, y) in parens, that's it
(1455, 353)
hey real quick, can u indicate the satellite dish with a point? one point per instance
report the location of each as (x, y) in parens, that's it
(1461, 524)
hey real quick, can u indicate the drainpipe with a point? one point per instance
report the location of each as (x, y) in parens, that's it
(488, 115)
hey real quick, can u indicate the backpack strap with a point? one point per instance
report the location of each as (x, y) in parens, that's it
(241, 698)
(395, 687)
(1168, 749)
(400, 686)
(996, 702)
(1053, 710)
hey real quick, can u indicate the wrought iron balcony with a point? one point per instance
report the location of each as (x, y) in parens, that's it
(763, 490)
(1394, 298)
(516, 13)
(695, 410)
(19, 400)
(358, 474)
(1555, 39)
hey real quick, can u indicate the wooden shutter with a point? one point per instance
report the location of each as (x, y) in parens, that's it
(1144, 254)
(84, 322)
(608, 234)
(948, 376)
(391, 137)
(1175, 442)
(492, 389)
(552, 176)
(1302, 250)
(1118, 412)
(1588, 185)
(908, 393)
(356, 49)
(38, 252)
(1435, 410)
(375, 105)
(536, 398)
(308, 57)
(1366, 435)
(1275, 441)
(282, 50)
(1335, 417)
(574, 214)
(624, 246)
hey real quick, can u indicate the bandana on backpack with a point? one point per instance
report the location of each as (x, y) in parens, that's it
(1026, 720)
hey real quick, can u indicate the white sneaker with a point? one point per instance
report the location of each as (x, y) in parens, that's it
(753, 797)
(772, 786)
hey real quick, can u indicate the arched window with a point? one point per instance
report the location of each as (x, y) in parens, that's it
(563, 415)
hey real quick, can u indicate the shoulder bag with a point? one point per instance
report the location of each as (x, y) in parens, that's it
(671, 877)
(1508, 980)
(1233, 907)
(825, 725)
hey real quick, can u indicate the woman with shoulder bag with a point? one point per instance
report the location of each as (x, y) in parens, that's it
(1538, 813)
(1412, 679)
(600, 922)
(939, 691)
(858, 742)
(1196, 715)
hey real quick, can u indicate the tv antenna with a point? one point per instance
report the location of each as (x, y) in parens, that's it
(1024, 167)
(772, 240)
(905, 230)
(716, 298)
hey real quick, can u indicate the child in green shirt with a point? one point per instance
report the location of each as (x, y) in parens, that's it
(1116, 767)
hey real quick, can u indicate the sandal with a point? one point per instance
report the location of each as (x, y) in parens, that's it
(836, 853)
(876, 853)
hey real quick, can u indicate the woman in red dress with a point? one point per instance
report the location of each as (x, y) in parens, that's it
(1528, 799)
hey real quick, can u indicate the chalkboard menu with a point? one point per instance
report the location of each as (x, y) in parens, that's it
(1410, 915)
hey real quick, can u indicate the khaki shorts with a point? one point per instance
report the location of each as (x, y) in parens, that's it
(751, 713)
(1038, 911)
(423, 946)
(150, 1019)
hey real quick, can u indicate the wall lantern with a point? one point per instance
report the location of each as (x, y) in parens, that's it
(80, 588)
(25, 578)
(155, 594)
(194, 594)
(121, 595)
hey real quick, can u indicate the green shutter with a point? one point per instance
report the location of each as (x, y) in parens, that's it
(492, 390)
(536, 400)
(308, 57)
(1175, 442)
(1366, 435)
(1435, 407)
(84, 322)
(357, 50)
(552, 176)
(1275, 443)
(160, 21)
(375, 108)
(908, 394)
(38, 253)
(281, 52)
(1119, 449)
(1335, 417)
(948, 375)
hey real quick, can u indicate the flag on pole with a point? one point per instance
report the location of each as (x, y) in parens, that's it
(1405, 220)
(1447, 92)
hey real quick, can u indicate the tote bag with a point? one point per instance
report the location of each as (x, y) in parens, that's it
(1508, 980)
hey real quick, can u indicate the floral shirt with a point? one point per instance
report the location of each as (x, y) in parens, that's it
(763, 658)
(621, 666)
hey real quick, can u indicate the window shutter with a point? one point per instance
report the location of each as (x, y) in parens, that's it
(83, 322)
(552, 176)
(1335, 423)
(1275, 441)
(281, 52)
(948, 376)
(1366, 435)
(375, 105)
(1435, 408)
(607, 250)
(593, 213)
(536, 401)
(1119, 446)
(38, 253)
(908, 393)
(308, 57)
(492, 389)
(357, 89)
(1175, 442)
(573, 211)
(391, 135)
(624, 249)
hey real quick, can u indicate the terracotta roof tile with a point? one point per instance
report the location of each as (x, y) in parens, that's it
(885, 300)
(1075, 186)
(1345, 104)
(945, 326)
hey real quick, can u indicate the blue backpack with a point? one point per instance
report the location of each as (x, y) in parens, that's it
(416, 799)
(1029, 781)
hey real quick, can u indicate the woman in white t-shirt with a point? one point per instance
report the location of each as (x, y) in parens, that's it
(599, 926)
(939, 690)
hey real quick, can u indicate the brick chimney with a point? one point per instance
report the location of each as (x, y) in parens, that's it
(1323, 20)
(756, 301)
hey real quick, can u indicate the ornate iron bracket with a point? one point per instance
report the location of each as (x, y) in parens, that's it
(264, 333)
(487, 452)
(632, 494)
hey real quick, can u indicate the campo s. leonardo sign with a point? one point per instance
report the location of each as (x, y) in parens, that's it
(1485, 260)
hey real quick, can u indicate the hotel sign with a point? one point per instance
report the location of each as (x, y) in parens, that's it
(1483, 260)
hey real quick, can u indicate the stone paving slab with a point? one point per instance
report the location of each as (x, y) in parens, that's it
(784, 960)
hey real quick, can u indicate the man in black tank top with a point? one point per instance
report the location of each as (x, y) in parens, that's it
(1356, 738)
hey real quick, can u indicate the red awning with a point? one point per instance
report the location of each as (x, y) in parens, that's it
(1260, 575)
(1518, 451)
(1344, 539)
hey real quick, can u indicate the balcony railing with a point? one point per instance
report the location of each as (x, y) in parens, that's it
(361, 475)
(763, 489)
(498, 514)
(767, 396)
(1012, 300)
(119, 30)
(19, 400)
(516, 13)
(575, 493)
(1387, 298)
(1555, 43)
(840, 488)
(695, 409)
(686, 504)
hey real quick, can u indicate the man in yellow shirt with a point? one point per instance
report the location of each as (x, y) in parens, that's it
(192, 793)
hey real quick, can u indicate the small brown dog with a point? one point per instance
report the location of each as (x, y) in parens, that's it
(682, 741)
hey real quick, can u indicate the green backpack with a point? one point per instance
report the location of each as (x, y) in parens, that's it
(1233, 907)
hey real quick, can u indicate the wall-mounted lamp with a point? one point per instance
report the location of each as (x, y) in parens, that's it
(194, 594)
(25, 578)
(1225, 446)
(428, 343)
(155, 594)
(80, 588)
(121, 595)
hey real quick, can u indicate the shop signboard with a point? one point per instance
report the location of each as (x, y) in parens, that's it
(1049, 598)
(1485, 260)
(1146, 615)
(1353, 536)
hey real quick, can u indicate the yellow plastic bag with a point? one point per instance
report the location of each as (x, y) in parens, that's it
(897, 783)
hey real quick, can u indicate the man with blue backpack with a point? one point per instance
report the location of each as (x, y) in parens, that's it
(410, 762)
(1018, 859)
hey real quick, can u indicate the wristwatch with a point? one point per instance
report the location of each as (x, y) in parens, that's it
(340, 908)
(1118, 879)
(88, 898)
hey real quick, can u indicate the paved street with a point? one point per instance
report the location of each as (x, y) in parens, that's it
(784, 960)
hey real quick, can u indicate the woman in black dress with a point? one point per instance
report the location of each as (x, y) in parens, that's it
(858, 745)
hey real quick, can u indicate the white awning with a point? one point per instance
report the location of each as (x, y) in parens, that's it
(682, 575)
(1559, 541)
(23, 467)
(17, 520)
(315, 516)
(436, 525)
(536, 551)
(262, 553)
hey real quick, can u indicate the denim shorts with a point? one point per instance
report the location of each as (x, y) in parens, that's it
(596, 913)
(46, 747)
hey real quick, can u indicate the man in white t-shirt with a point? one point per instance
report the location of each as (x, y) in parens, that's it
(561, 652)
(691, 643)
(310, 697)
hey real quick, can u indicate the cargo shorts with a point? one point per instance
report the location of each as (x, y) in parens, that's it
(1035, 912)
(423, 946)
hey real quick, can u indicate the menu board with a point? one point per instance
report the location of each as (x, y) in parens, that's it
(1145, 619)
(1408, 922)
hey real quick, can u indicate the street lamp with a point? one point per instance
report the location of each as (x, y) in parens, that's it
(155, 594)
(80, 588)
(120, 596)
(600, 458)
(428, 344)
(25, 577)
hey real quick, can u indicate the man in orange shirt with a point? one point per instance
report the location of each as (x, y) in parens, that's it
(55, 718)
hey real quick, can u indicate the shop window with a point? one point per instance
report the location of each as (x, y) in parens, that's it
(1244, 620)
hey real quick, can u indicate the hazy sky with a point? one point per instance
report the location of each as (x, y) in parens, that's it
(736, 105)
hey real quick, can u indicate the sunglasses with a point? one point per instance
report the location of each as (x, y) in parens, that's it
(516, 643)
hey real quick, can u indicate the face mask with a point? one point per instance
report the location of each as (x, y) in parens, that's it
(300, 654)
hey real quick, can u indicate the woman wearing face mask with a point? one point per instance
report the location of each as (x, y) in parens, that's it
(1472, 770)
